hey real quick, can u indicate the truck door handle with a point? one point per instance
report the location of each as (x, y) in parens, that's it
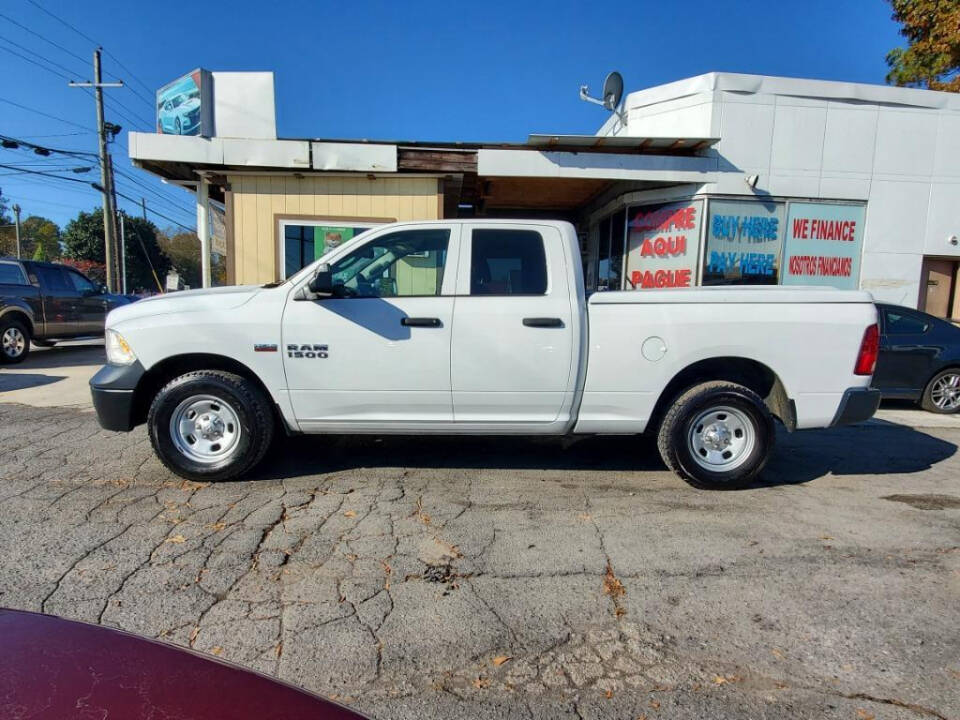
(420, 322)
(543, 322)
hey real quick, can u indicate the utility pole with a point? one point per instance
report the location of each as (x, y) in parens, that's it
(106, 175)
(143, 204)
(16, 214)
(123, 256)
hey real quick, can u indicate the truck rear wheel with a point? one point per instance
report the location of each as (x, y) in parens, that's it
(717, 435)
(14, 341)
(210, 425)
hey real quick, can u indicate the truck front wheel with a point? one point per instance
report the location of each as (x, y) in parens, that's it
(717, 435)
(210, 425)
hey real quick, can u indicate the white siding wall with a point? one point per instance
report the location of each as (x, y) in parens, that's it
(903, 160)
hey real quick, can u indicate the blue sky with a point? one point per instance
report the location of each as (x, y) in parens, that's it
(492, 71)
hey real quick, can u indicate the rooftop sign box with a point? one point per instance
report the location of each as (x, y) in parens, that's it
(218, 104)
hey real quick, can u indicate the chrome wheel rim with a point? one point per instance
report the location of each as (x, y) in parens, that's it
(721, 438)
(13, 342)
(205, 429)
(945, 393)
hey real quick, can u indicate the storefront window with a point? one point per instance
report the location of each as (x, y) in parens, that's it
(664, 242)
(305, 242)
(744, 240)
(823, 244)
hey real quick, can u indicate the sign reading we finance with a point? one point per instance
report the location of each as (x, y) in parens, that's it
(663, 242)
(823, 245)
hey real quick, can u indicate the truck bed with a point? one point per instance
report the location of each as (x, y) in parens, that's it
(727, 294)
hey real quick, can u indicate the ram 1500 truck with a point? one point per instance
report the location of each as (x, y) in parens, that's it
(483, 327)
(44, 302)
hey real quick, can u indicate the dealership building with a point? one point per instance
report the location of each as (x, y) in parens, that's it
(716, 179)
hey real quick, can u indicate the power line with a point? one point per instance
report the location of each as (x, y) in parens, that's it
(46, 174)
(36, 54)
(52, 117)
(136, 181)
(45, 39)
(89, 39)
(34, 146)
(34, 62)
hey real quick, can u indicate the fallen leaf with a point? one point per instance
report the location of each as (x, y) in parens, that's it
(611, 585)
(176, 539)
(585, 516)
(864, 715)
(501, 659)
(193, 634)
(217, 526)
(955, 673)
(777, 653)
(654, 704)
(481, 682)
(350, 514)
(216, 650)
(641, 717)
(719, 680)
(278, 650)
(609, 694)
(826, 537)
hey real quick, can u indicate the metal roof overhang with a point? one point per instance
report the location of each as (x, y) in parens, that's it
(620, 143)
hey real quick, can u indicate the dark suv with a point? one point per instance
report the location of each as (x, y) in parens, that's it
(44, 302)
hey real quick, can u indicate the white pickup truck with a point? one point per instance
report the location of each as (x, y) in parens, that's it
(483, 327)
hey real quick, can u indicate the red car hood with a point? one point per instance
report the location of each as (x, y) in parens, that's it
(55, 669)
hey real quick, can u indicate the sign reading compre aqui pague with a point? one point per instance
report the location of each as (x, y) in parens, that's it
(663, 244)
(823, 245)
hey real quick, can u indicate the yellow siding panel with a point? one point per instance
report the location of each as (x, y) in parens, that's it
(258, 200)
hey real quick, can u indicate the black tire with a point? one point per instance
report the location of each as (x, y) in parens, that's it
(678, 436)
(14, 341)
(950, 403)
(44, 343)
(244, 400)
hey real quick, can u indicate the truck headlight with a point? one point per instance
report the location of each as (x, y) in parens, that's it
(118, 350)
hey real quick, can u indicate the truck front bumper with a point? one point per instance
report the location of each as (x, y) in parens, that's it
(113, 389)
(857, 405)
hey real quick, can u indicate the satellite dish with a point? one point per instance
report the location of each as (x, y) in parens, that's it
(612, 90)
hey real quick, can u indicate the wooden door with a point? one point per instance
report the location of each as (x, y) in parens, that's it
(936, 286)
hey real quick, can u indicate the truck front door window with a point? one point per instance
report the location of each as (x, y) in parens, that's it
(400, 264)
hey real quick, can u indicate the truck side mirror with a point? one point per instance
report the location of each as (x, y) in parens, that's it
(321, 284)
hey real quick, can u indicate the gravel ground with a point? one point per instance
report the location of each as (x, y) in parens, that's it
(512, 578)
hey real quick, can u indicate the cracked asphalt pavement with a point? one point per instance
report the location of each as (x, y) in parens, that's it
(512, 578)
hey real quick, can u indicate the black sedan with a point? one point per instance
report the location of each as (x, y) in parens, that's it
(919, 359)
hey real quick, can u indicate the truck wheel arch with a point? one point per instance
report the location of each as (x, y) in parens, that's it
(18, 313)
(743, 371)
(162, 372)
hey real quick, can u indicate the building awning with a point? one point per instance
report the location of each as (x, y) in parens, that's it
(619, 143)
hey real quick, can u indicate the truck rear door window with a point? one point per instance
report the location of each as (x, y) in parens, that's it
(507, 262)
(53, 279)
(11, 274)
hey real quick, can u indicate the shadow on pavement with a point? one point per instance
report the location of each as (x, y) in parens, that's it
(65, 356)
(879, 448)
(22, 381)
(874, 449)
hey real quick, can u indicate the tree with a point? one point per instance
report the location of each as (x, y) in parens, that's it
(932, 56)
(83, 240)
(40, 238)
(8, 235)
(183, 249)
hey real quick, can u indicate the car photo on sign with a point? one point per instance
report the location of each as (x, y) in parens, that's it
(180, 106)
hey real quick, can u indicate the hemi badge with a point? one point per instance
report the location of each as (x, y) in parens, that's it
(264, 348)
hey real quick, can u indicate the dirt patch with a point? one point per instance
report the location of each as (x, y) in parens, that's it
(927, 502)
